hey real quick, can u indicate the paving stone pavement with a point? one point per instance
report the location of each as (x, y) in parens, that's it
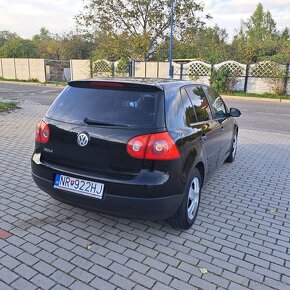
(241, 235)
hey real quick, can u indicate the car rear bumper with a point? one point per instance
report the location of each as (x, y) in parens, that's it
(150, 202)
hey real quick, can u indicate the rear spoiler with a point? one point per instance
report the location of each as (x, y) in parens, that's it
(115, 85)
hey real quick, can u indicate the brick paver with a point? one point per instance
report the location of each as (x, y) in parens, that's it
(241, 235)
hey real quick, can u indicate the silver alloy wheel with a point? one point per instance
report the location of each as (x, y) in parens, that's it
(193, 198)
(235, 145)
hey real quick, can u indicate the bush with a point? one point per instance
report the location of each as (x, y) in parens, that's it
(278, 81)
(122, 68)
(220, 80)
(278, 85)
(34, 80)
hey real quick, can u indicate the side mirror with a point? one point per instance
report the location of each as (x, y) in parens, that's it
(235, 112)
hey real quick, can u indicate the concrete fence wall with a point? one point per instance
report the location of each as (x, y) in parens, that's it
(254, 78)
(151, 69)
(22, 68)
(80, 69)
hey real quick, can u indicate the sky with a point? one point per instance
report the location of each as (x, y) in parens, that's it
(229, 13)
(27, 17)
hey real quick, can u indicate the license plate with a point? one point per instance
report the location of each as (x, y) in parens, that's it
(77, 185)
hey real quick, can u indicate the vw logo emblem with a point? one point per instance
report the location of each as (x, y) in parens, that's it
(83, 139)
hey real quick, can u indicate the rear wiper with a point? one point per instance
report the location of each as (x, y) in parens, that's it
(101, 123)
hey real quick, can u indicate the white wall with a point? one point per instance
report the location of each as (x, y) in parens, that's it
(80, 69)
(22, 68)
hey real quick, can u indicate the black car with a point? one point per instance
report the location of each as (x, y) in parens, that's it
(134, 148)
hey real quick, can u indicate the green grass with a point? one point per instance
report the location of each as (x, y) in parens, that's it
(265, 95)
(35, 81)
(56, 83)
(16, 80)
(8, 106)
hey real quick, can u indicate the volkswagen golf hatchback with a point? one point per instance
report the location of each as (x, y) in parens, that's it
(140, 149)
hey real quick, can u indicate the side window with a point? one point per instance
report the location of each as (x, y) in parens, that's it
(176, 112)
(190, 116)
(217, 103)
(199, 102)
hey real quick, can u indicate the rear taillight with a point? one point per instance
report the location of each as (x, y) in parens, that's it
(136, 147)
(158, 146)
(42, 132)
(161, 147)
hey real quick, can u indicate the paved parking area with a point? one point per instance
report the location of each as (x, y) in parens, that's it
(241, 236)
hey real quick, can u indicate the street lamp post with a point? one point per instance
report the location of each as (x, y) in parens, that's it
(171, 40)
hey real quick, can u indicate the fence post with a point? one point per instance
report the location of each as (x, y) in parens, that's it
(45, 71)
(29, 74)
(129, 68)
(181, 71)
(113, 69)
(286, 77)
(71, 69)
(15, 72)
(91, 67)
(2, 68)
(246, 78)
(211, 68)
(145, 69)
(158, 69)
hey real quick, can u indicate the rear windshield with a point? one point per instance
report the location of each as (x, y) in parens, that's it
(111, 107)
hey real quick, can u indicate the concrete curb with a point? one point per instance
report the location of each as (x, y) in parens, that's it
(255, 99)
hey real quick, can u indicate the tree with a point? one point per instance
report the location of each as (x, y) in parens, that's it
(206, 43)
(6, 35)
(258, 37)
(260, 26)
(285, 35)
(44, 34)
(74, 46)
(113, 46)
(145, 22)
(18, 47)
(50, 48)
(63, 46)
(180, 50)
(47, 44)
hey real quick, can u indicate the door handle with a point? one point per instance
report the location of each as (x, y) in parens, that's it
(222, 129)
(203, 137)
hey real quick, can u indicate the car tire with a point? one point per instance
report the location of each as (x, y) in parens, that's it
(234, 147)
(187, 212)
